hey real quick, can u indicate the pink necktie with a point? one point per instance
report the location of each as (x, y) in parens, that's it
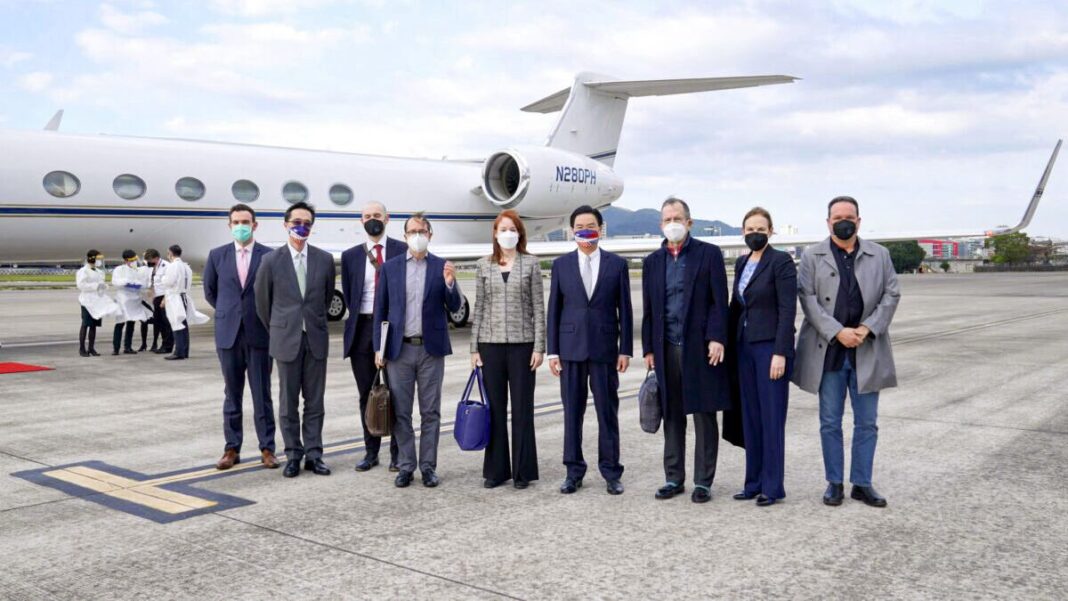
(242, 267)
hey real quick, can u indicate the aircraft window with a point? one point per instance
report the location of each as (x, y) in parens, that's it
(294, 192)
(340, 194)
(189, 188)
(61, 184)
(129, 186)
(245, 191)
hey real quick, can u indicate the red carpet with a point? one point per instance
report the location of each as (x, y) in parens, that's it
(17, 368)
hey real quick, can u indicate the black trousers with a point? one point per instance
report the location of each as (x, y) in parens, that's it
(706, 444)
(362, 359)
(576, 380)
(127, 340)
(181, 341)
(162, 325)
(506, 373)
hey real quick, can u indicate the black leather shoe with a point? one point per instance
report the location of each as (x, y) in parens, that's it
(366, 464)
(430, 479)
(615, 487)
(113, 353)
(292, 468)
(834, 494)
(129, 351)
(83, 353)
(317, 467)
(142, 348)
(570, 486)
(868, 495)
(393, 466)
(173, 358)
(403, 479)
(161, 351)
(743, 496)
(701, 494)
(669, 490)
(93, 353)
(491, 483)
(520, 484)
(763, 501)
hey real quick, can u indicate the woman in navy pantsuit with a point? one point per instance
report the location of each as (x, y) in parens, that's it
(763, 308)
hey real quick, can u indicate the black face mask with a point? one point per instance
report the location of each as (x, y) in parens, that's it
(844, 230)
(374, 227)
(756, 240)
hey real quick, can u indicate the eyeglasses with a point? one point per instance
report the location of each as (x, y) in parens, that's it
(416, 232)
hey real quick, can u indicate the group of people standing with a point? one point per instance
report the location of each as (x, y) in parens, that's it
(142, 292)
(708, 351)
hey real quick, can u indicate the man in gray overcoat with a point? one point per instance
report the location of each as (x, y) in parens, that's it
(849, 293)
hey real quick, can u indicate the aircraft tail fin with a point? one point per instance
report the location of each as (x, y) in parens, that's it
(1033, 205)
(595, 105)
(53, 123)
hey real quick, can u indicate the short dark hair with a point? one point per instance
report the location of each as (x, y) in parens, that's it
(587, 209)
(175, 250)
(244, 207)
(128, 254)
(151, 254)
(92, 253)
(419, 216)
(838, 199)
(671, 200)
(300, 205)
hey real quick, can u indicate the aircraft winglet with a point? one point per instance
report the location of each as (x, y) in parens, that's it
(53, 123)
(1033, 205)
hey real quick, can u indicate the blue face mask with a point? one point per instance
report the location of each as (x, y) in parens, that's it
(587, 237)
(241, 232)
(300, 231)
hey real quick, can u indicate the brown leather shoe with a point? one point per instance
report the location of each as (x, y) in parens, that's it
(268, 460)
(228, 460)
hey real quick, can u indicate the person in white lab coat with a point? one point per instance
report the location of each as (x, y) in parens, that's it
(95, 303)
(128, 283)
(177, 282)
(162, 327)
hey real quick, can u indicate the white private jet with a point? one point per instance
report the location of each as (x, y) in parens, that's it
(61, 194)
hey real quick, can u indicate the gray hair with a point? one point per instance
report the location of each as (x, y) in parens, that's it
(374, 203)
(672, 200)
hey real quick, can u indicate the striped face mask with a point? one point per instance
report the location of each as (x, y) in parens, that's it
(587, 238)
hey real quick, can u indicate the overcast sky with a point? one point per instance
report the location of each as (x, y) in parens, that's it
(938, 114)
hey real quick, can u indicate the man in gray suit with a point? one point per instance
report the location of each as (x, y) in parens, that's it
(294, 286)
(849, 293)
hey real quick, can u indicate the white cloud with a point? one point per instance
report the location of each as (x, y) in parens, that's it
(129, 23)
(38, 81)
(10, 58)
(263, 8)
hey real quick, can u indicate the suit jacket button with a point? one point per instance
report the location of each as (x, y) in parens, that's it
(820, 345)
(833, 274)
(827, 299)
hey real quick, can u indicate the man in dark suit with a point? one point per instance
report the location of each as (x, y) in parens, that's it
(589, 336)
(240, 339)
(359, 277)
(684, 333)
(416, 291)
(294, 287)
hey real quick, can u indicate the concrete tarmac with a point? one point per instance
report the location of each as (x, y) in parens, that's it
(114, 496)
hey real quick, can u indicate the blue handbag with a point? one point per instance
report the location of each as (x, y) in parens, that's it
(472, 426)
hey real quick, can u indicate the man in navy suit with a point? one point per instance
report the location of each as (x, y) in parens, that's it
(684, 333)
(415, 292)
(589, 339)
(359, 278)
(241, 340)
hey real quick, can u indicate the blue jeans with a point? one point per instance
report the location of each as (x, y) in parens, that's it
(865, 431)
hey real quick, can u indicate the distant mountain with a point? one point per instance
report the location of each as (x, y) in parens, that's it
(624, 222)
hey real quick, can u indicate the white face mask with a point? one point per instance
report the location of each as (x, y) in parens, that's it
(418, 243)
(675, 232)
(508, 240)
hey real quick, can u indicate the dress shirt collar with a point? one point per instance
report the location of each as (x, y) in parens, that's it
(238, 248)
(294, 253)
(594, 256)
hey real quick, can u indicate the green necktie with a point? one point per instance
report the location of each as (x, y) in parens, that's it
(302, 275)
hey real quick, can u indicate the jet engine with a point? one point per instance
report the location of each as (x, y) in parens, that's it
(547, 182)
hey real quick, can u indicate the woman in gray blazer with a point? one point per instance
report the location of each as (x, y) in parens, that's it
(508, 341)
